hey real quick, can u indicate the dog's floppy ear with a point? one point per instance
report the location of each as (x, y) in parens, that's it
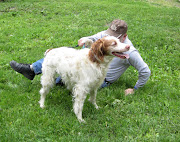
(97, 49)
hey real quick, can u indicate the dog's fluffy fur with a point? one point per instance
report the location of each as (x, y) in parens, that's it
(82, 71)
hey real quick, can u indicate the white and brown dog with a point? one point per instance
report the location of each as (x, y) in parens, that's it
(82, 71)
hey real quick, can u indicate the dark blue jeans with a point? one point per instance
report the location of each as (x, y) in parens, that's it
(37, 66)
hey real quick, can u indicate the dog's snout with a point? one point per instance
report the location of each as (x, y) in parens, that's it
(127, 47)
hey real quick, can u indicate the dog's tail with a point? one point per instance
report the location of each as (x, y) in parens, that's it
(47, 51)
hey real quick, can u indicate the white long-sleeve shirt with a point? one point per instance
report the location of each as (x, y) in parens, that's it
(118, 66)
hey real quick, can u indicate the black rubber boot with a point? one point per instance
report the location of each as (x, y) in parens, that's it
(24, 69)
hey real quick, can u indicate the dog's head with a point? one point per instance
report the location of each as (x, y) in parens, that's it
(107, 46)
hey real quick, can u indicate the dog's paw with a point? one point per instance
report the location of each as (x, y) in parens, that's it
(96, 106)
(82, 121)
(41, 105)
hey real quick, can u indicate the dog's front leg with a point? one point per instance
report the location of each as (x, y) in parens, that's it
(92, 98)
(79, 98)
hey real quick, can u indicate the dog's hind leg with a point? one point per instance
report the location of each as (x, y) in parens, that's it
(79, 98)
(47, 81)
(92, 98)
(44, 91)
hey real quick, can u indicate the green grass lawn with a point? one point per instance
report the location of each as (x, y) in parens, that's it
(29, 27)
